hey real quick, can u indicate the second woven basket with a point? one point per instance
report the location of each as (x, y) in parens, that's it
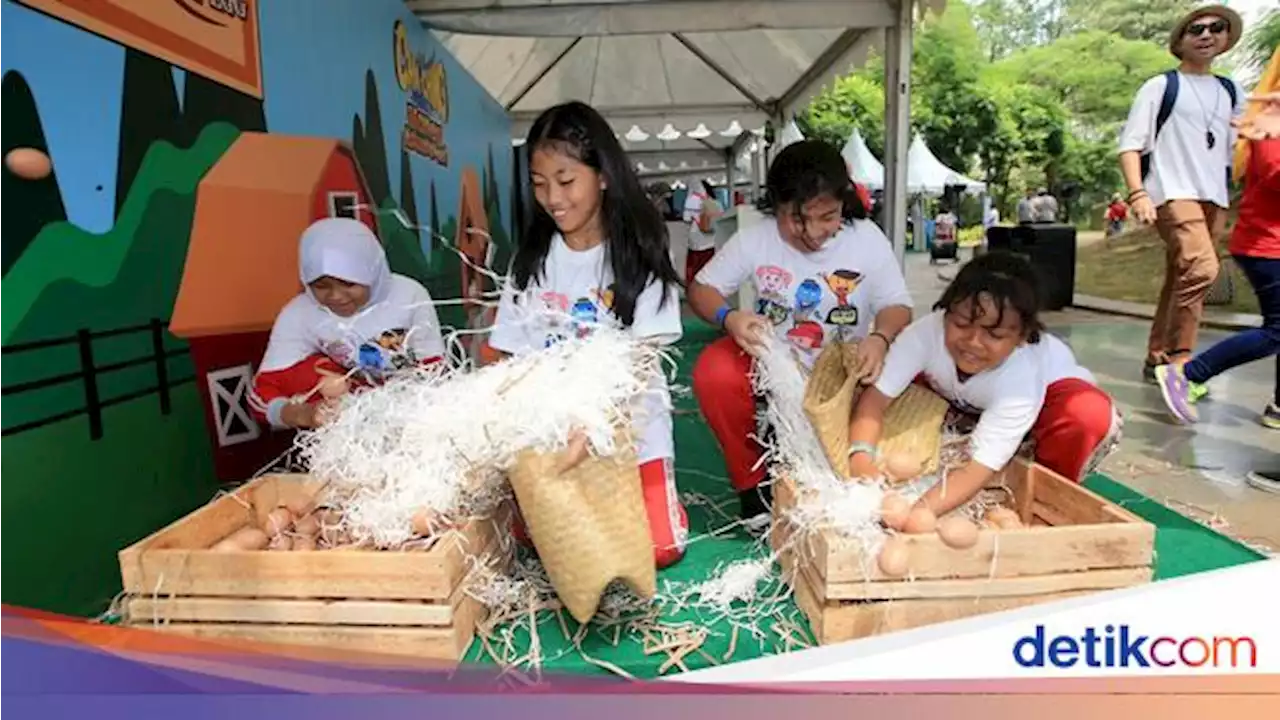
(913, 427)
(829, 394)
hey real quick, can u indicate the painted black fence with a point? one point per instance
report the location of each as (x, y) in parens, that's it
(90, 371)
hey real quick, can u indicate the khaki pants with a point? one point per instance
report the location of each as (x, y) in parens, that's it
(1188, 228)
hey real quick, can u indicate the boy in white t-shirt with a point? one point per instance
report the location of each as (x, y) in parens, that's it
(985, 351)
(822, 273)
(1175, 155)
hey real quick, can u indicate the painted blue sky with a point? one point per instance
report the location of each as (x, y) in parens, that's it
(314, 63)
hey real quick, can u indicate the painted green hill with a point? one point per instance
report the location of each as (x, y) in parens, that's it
(63, 257)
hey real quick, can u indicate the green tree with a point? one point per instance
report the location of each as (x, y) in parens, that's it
(1004, 26)
(1261, 41)
(1094, 73)
(855, 101)
(1149, 20)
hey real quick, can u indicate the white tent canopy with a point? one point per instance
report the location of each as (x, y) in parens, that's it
(680, 76)
(864, 168)
(926, 175)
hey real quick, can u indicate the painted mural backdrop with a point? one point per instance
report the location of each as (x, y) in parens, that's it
(114, 113)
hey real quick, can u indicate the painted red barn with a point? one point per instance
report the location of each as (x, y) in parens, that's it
(242, 267)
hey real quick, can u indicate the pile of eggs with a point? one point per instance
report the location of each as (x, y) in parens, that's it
(289, 529)
(899, 515)
(304, 527)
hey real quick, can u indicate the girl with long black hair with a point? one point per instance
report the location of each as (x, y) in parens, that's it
(595, 247)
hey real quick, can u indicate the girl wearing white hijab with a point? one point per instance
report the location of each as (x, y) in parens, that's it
(354, 314)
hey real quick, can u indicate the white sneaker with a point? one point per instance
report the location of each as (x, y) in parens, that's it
(1266, 482)
(1109, 445)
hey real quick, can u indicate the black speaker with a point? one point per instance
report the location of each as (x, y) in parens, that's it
(1051, 249)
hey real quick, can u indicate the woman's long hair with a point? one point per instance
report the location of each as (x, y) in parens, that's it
(636, 244)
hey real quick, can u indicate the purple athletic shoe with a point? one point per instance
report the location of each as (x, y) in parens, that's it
(1177, 393)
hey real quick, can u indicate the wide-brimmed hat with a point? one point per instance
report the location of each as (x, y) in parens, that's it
(1235, 26)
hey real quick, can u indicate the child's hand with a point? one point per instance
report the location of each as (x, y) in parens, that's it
(862, 467)
(1265, 124)
(578, 449)
(748, 330)
(305, 416)
(871, 353)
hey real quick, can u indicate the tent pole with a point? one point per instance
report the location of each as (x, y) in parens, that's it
(897, 102)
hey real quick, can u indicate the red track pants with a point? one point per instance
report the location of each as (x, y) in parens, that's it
(1074, 424)
(668, 522)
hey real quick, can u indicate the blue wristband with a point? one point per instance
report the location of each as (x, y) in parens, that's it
(722, 314)
(861, 447)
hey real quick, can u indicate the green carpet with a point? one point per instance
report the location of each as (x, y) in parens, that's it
(1182, 547)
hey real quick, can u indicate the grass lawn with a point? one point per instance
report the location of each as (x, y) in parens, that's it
(1131, 267)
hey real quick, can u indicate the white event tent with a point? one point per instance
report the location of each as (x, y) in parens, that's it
(689, 81)
(926, 175)
(864, 168)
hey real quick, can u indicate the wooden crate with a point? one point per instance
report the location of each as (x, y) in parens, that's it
(1075, 543)
(410, 602)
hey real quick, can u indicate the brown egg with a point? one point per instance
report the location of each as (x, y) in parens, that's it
(278, 521)
(28, 163)
(1004, 518)
(304, 542)
(307, 526)
(958, 532)
(424, 522)
(920, 521)
(281, 542)
(894, 510)
(902, 467)
(895, 557)
(248, 538)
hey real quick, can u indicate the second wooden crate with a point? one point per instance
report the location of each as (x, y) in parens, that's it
(1075, 542)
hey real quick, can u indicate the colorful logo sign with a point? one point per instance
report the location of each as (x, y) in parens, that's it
(427, 104)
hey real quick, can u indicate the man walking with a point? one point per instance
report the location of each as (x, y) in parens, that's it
(1026, 209)
(1175, 155)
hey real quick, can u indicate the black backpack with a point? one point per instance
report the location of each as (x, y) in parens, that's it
(1171, 82)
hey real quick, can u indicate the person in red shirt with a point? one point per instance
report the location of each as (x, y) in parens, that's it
(1117, 212)
(1255, 246)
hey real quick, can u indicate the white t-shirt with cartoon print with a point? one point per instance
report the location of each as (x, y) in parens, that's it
(580, 284)
(396, 332)
(829, 295)
(1008, 398)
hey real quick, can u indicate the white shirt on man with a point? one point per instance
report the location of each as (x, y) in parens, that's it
(574, 291)
(1183, 166)
(813, 298)
(1007, 398)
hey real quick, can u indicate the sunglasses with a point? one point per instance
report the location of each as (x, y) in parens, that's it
(1217, 27)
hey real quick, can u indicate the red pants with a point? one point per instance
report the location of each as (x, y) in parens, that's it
(667, 519)
(694, 262)
(1075, 425)
(722, 385)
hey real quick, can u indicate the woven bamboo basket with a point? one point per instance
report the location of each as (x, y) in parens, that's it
(913, 427)
(829, 395)
(588, 523)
